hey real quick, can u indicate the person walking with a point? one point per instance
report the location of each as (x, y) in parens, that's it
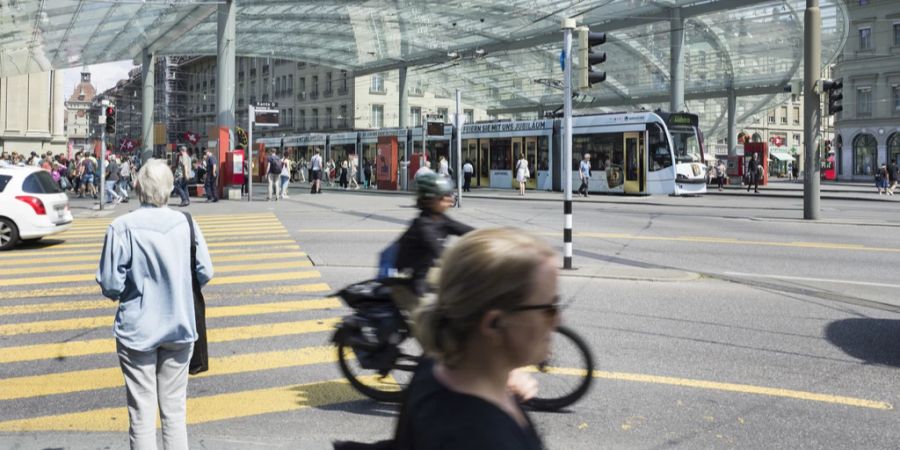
(468, 172)
(245, 169)
(721, 172)
(476, 334)
(354, 172)
(367, 172)
(125, 176)
(273, 175)
(315, 173)
(145, 266)
(443, 166)
(584, 173)
(345, 169)
(881, 179)
(330, 171)
(893, 176)
(753, 173)
(182, 174)
(286, 166)
(211, 184)
(112, 179)
(303, 168)
(522, 173)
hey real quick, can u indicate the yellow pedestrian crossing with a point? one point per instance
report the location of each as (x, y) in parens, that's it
(261, 275)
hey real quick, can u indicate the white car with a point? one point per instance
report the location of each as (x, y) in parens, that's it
(31, 205)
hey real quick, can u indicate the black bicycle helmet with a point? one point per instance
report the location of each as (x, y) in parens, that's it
(431, 185)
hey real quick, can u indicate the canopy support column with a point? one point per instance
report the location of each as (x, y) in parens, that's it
(676, 69)
(148, 75)
(225, 62)
(404, 100)
(732, 122)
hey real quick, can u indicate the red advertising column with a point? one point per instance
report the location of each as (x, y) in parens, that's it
(221, 155)
(386, 163)
(761, 149)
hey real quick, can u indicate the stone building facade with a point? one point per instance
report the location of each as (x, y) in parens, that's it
(32, 113)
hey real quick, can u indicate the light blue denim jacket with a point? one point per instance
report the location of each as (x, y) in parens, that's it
(145, 266)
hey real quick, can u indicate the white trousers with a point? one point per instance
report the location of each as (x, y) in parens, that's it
(274, 182)
(156, 378)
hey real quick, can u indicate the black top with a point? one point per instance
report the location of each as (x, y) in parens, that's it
(423, 243)
(435, 418)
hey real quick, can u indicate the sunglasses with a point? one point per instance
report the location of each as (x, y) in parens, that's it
(550, 310)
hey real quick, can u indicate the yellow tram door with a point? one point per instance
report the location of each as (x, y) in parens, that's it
(635, 164)
(531, 156)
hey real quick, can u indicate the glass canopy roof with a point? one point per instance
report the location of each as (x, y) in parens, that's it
(504, 55)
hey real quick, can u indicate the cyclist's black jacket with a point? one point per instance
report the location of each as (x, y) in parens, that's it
(423, 242)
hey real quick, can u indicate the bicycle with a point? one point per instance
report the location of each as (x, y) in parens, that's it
(378, 354)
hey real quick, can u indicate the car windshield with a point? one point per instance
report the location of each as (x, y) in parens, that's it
(40, 182)
(4, 180)
(686, 144)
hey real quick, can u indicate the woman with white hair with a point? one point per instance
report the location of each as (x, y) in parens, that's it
(146, 267)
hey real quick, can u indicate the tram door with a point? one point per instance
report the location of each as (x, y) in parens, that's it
(531, 155)
(516, 153)
(635, 165)
(484, 163)
(470, 153)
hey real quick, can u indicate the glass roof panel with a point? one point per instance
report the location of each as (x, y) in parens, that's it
(502, 54)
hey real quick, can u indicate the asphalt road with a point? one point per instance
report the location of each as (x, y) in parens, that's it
(716, 322)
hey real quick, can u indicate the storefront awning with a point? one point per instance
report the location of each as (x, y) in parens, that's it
(782, 156)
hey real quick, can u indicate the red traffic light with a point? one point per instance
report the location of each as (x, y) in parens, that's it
(110, 111)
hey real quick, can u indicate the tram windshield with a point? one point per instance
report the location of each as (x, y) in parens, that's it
(685, 144)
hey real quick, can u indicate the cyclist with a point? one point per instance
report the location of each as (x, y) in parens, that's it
(423, 242)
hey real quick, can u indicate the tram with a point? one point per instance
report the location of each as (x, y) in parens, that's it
(638, 153)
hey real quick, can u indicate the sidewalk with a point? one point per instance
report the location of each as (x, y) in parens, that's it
(829, 190)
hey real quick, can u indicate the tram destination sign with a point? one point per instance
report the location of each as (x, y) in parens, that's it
(505, 126)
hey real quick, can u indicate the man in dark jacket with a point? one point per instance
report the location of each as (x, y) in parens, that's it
(423, 242)
(753, 174)
(893, 176)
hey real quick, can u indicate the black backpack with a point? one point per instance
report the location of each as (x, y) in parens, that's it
(277, 165)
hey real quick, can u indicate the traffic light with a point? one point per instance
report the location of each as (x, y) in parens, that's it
(833, 88)
(587, 57)
(110, 120)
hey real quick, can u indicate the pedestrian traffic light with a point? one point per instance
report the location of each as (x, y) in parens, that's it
(833, 88)
(587, 58)
(110, 120)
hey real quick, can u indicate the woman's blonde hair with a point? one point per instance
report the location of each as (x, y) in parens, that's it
(486, 269)
(154, 183)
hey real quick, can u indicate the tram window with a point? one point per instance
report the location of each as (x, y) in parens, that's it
(605, 150)
(659, 151)
(686, 145)
(543, 154)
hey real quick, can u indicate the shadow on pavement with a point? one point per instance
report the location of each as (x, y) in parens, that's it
(875, 341)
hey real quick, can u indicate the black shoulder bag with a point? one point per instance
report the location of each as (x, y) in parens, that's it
(200, 357)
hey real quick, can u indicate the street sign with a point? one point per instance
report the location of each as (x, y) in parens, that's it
(435, 129)
(562, 60)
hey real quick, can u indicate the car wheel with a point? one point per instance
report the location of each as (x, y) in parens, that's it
(9, 234)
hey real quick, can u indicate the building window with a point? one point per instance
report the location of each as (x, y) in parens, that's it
(893, 148)
(796, 139)
(896, 96)
(343, 116)
(469, 115)
(290, 118)
(328, 114)
(315, 87)
(377, 84)
(864, 148)
(796, 116)
(443, 112)
(290, 88)
(784, 115)
(328, 91)
(864, 102)
(415, 114)
(772, 118)
(343, 89)
(865, 38)
(315, 119)
(301, 119)
(377, 116)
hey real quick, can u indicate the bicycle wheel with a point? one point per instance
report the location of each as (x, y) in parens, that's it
(387, 388)
(566, 375)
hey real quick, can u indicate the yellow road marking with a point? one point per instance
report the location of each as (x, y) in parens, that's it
(216, 260)
(730, 387)
(94, 255)
(261, 232)
(70, 349)
(82, 277)
(99, 245)
(86, 323)
(202, 409)
(93, 379)
(731, 241)
(87, 290)
(56, 307)
(203, 224)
